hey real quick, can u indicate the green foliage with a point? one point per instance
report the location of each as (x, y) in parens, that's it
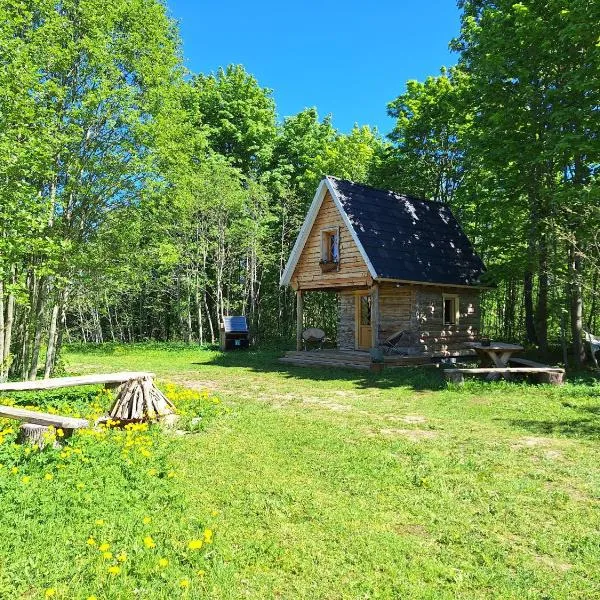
(238, 114)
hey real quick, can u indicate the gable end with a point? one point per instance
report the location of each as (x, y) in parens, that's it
(307, 227)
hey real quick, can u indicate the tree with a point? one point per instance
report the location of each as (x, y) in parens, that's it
(238, 114)
(96, 76)
(533, 70)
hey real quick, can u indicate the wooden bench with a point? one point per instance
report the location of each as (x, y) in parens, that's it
(545, 374)
(525, 362)
(137, 399)
(107, 379)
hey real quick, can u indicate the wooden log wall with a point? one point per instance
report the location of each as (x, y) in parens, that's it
(418, 309)
(346, 320)
(434, 336)
(396, 310)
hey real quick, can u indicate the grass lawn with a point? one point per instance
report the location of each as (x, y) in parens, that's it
(337, 484)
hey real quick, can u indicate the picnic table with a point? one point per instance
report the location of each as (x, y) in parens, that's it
(498, 353)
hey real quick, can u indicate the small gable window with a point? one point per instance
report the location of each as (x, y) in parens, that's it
(330, 248)
(451, 312)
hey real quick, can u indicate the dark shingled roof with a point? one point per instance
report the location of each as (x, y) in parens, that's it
(407, 238)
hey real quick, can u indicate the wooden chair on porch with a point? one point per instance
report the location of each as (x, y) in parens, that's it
(313, 335)
(398, 342)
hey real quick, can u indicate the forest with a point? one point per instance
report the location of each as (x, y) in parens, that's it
(140, 201)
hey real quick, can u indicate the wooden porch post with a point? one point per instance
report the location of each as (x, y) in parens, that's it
(375, 316)
(299, 319)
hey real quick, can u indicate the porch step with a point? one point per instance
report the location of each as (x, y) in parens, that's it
(324, 362)
(349, 359)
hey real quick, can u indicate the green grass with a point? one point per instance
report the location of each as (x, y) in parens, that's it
(338, 484)
(95, 516)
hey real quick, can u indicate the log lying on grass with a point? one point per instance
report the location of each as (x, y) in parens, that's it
(140, 400)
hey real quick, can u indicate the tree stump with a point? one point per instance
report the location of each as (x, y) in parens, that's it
(455, 377)
(551, 377)
(35, 435)
(139, 400)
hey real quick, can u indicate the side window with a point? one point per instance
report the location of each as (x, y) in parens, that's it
(330, 245)
(450, 306)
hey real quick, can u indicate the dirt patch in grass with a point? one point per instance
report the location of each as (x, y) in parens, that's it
(414, 435)
(553, 564)
(335, 406)
(412, 419)
(533, 442)
(410, 529)
(197, 385)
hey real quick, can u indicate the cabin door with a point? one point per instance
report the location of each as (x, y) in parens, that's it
(363, 321)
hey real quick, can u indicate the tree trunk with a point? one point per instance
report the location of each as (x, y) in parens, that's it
(10, 317)
(38, 328)
(542, 301)
(576, 305)
(528, 305)
(2, 330)
(52, 335)
(210, 323)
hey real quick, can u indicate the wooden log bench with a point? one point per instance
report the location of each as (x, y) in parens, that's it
(137, 399)
(544, 374)
(35, 424)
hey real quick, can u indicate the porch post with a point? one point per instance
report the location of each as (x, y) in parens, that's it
(375, 315)
(299, 319)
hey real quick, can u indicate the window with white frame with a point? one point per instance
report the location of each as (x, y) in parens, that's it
(450, 309)
(330, 245)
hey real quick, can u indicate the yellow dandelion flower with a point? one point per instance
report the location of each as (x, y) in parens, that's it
(215, 513)
(147, 520)
(91, 541)
(122, 557)
(60, 432)
(208, 536)
(149, 542)
(104, 547)
(171, 474)
(25, 479)
(107, 555)
(92, 598)
(100, 522)
(50, 593)
(163, 562)
(195, 544)
(14, 470)
(48, 477)
(184, 583)
(114, 569)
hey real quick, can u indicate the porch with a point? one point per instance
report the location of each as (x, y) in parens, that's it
(358, 359)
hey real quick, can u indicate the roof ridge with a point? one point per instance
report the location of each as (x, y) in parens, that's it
(385, 191)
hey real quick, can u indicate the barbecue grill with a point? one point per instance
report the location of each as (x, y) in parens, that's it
(234, 333)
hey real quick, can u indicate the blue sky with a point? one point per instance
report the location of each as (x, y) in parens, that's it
(345, 58)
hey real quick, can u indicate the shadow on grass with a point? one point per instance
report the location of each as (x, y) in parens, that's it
(575, 428)
(263, 361)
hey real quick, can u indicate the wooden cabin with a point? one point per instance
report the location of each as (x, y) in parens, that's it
(397, 264)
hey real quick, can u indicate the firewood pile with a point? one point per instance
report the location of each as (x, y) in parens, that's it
(139, 400)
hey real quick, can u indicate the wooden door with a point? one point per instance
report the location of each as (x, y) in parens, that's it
(363, 321)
